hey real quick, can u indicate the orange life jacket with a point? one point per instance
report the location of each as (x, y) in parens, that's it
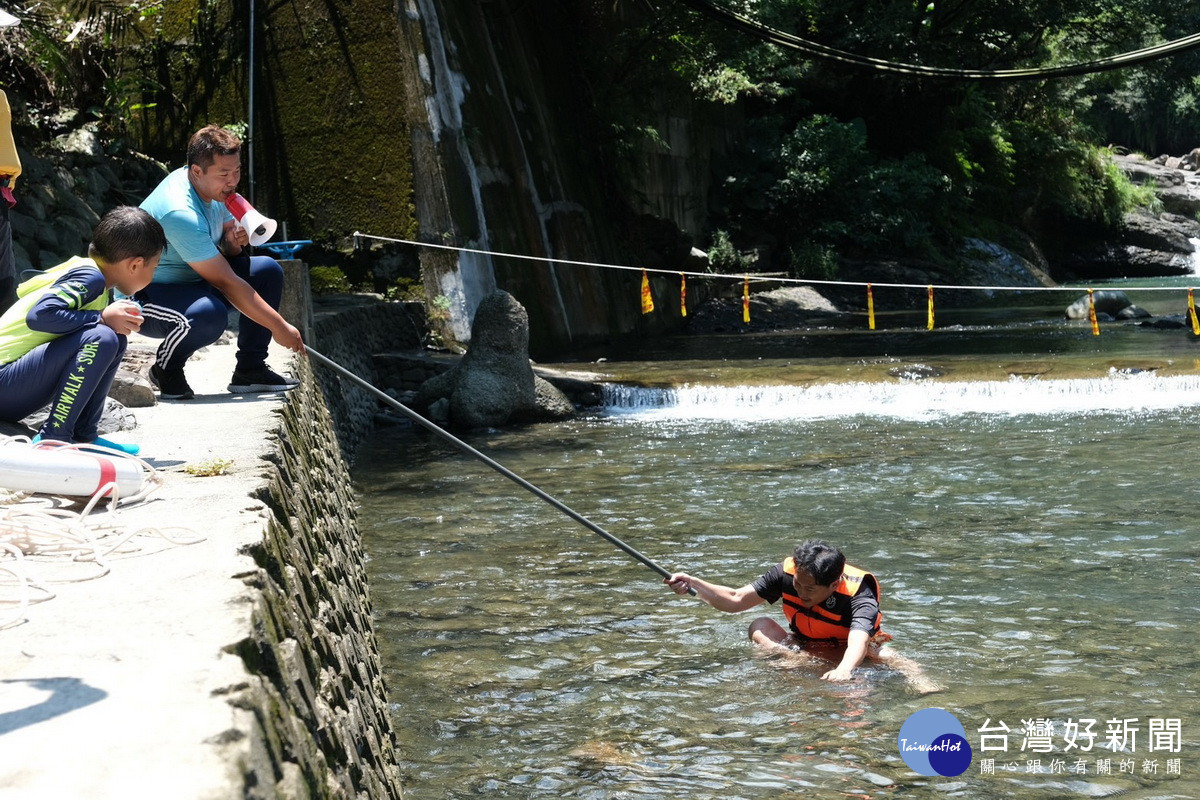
(831, 619)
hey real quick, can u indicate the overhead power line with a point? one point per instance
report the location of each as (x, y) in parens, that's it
(817, 50)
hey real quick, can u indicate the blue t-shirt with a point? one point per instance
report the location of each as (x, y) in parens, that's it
(193, 227)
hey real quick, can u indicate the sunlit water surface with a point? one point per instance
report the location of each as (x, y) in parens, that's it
(1040, 565)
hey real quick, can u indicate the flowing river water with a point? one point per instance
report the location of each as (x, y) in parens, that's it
(1036, 540)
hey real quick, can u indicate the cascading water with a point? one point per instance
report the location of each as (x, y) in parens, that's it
(911, 401)
(1195, 256)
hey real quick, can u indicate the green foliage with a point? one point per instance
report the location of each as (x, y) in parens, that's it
(821, 188)
(724, 258)
(1075, 182)
(328, 280)
(406, 289)
(835, 160)
(439, 309)
(810, 260)
(69, 55)
(145, 64)
(1131, 196)
(437, 312)
(209, 468)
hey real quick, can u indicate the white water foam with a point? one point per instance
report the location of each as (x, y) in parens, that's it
(1118, 393)
(1195, 256)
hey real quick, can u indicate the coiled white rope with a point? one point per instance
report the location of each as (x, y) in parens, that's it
(41, 540)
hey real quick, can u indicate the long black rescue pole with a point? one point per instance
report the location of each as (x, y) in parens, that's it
(503, 470)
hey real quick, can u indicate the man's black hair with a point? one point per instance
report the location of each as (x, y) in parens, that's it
(126, 232)
(821, 560)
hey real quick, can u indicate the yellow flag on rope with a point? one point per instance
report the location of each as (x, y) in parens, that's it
(870, 308)
(1192, 313)
(746, 300)
(929, 325)
(1092, 314)
(647, 298)
(682, 295)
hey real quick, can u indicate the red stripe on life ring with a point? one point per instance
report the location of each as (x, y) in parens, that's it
(108, 471)
(108, 474)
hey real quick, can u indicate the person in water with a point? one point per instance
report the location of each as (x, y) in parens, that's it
(831, 607)
(62, 341)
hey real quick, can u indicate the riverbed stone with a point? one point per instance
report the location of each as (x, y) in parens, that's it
(1106, 301)
(132, 390)
(1132, 312)
(494, 384)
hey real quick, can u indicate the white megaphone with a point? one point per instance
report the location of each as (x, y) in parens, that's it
(259, 228)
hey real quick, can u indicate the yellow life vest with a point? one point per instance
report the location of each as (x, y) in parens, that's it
(10, 163)
(16, 337)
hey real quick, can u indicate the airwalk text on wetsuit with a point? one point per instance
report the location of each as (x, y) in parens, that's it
(62, 409)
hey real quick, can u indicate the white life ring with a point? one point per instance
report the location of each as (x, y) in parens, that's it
(66, 471)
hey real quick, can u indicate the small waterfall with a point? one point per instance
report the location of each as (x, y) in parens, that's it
(1195, 256)
(1116, 393)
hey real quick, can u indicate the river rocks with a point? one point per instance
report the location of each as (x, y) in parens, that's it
(990, 264)
(1110, 305)
(114, 418)
(15, 429)
(1178, 189)
(62, 193)
(494, 383)
(132, 390)
(1106, 302)
(1148, 246)
(1169, 232)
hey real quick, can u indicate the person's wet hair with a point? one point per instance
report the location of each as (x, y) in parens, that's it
(821, 560)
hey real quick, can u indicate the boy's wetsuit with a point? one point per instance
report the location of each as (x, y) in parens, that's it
(55, 350)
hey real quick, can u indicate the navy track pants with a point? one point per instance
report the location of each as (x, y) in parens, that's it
(72, 373)
(188, 316)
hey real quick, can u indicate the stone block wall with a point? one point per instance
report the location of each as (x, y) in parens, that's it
(405, 372)
(61, 195)
(321, 724)
(349, 336)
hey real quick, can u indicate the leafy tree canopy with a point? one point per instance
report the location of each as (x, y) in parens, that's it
(839, 159)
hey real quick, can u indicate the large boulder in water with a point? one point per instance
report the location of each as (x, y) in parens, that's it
(1107, 301)
(493, 384)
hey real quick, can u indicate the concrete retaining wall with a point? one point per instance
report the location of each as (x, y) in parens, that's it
(349, 335)
(322, 726)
